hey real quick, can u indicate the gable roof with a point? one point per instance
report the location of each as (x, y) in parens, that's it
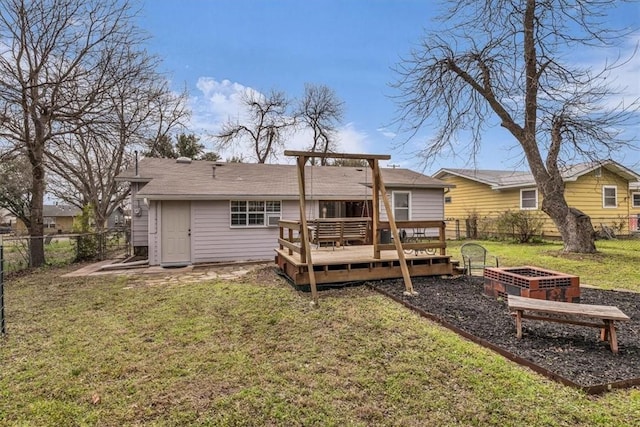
(168, 179)
(60, 211)
(502, 179)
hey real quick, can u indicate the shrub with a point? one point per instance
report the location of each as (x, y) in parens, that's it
(522, 225)
(88, 244)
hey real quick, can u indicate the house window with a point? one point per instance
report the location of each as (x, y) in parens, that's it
(49, 222)
(447, 199)
(635, 200)
(529, 199)
(255, 213)
(401, 202)
(609, 196)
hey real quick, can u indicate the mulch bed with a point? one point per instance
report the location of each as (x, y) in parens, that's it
(571, 352)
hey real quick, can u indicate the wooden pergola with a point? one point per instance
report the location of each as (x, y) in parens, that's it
(378, 190)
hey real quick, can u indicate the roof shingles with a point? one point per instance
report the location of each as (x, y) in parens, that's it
(215, 180)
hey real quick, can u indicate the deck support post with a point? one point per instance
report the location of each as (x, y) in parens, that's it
(302, 160)
(379, 186)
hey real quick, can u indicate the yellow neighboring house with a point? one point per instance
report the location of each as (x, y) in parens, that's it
(57, 219)
(606, 191)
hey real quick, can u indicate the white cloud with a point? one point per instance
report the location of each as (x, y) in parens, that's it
(624, 64)
(220, 100)
(217, 102)
(352, 140)
(387, 133)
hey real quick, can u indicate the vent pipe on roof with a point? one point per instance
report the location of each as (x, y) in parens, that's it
(136, 152)
(213, 171)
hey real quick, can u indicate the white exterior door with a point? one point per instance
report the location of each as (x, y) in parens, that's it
(176, 233)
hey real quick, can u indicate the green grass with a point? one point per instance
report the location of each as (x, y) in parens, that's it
(256, 353)
(58, 252)
(614, 266)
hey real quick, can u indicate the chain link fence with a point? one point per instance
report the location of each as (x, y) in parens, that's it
(3, 329)
(64, 249)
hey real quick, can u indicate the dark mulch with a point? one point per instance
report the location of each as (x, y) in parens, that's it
(573, 352)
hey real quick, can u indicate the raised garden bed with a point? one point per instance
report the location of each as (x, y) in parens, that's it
(570, 354)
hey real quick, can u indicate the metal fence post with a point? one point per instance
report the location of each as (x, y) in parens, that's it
(3, 329)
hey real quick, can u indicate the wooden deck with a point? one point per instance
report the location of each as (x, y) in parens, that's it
(357, 263)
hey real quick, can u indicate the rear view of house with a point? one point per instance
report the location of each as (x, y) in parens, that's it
(189, 212)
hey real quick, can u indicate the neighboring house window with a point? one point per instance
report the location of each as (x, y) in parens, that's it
(635, 197)
(401, 201)
(447, 199)
(609, 196)
(255, 213)
(49, 222)
(529, 199)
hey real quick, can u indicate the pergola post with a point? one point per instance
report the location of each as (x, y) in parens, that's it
(378, 188)
(377, 178)
(304, 229)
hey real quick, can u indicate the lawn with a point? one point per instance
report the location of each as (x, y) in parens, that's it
(127, 351)
(60, 251)
(614, 266)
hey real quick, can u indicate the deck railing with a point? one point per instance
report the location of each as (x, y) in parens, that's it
(337, 231)
(291, 238)
(422, 234)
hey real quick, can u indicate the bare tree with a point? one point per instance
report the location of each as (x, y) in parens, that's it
(84, 162)
(169, 113)
(505, 60)
(265, 126)
(15, 192)
(55, 62)
(321, 111)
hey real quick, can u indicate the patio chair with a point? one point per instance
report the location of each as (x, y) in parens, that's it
(474, 257)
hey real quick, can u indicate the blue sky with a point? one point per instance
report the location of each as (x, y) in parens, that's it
(218, 48)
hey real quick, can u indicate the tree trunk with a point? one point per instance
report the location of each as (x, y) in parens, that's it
(36, 230)
(575, 226)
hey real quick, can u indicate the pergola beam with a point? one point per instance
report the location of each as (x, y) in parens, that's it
(353, 156)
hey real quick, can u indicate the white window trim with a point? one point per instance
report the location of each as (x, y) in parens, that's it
(633, 194)
(606, 187)
(265, 212)
(536, 193)
(393, 203)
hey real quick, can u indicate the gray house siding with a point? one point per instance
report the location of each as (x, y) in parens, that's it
(139, 218)
(116, 219)
(291, 210)
(426, 204)
(214, 240)
(153, 237)
(212, 237)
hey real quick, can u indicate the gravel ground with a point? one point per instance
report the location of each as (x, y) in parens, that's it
(573, 352)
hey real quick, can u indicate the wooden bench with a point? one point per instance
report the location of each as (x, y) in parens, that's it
(340, 231)
(576, 314)
(326, 231)
(354, 230)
